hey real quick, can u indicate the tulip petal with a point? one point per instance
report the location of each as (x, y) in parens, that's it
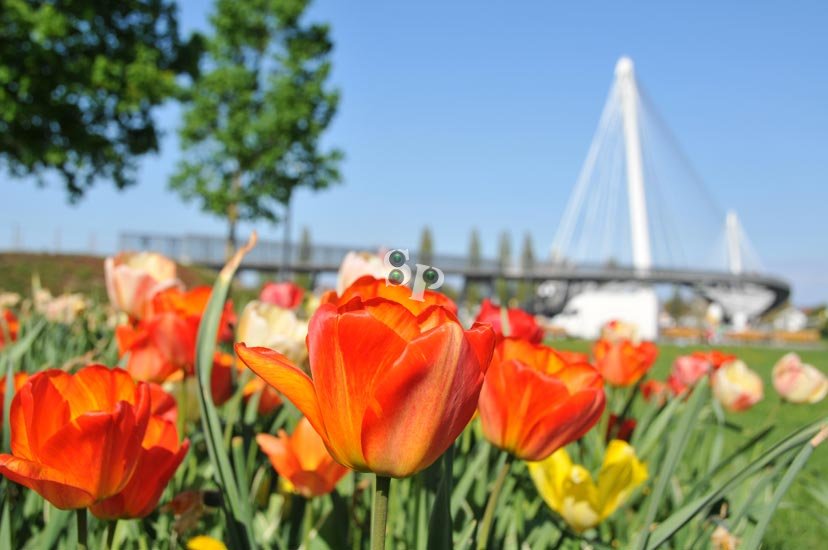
(278, 371)
(102, 445)
(30, 430)
(509, 417)
(348, 353)
(561, 424)
(423, 403)
(159, 459)
(47, 482)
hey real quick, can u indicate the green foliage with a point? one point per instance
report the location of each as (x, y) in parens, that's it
(475, 259)
(526, 288)
(61, 273)
(504, 255)
(78, 83)
(425, 253)
(305, 280)
(257, 112)
(676, 306)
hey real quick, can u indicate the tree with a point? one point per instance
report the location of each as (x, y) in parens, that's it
(676, 307)
(251, 131)
(475, 260)
(78, 84)
(504, 251)
(504, 257)
(425, 255)
(527, 263)
(305, 252)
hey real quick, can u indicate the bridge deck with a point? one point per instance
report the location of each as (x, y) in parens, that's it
(268, 256)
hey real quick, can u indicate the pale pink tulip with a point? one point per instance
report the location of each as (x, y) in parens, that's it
(133, 278)
(358, 264)
(799, 382)
(687, 370)
(736, 386)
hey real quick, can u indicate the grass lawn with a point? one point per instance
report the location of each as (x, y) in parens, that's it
(801, 522)
(72, 273)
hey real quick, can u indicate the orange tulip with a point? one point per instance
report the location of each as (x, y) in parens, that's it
(367, 287)
(390, 390)
(572, 356)
(8, 326)
(164, 342)
(221, 385)
(302, 460)
(20, 378)
(533, 402)
(157, 460)
(623, 362)
(133, 278)
(76, 439)
(269, 400)
(715, 357)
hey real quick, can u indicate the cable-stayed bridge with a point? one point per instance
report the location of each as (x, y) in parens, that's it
(639, 215)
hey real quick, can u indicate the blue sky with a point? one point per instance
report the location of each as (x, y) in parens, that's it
(479, 114)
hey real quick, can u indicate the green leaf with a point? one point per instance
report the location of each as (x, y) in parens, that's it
(654, 432)
(796, 466)
(5, 526)
(440, 522)
(237, 507)
(676, 445)
(680, 517)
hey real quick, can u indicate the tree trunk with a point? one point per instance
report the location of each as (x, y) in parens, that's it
(232, 216)
(286, 242)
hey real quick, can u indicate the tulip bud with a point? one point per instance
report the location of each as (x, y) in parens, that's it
(133, 278)
(799, 382)
(736, 386)
(269, 326)
(356, 265)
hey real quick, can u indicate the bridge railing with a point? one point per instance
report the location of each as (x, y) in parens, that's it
(269, 255)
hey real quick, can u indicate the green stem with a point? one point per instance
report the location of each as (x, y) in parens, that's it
(82, 529)
(488, 515)
(182, 407)
(379, 515)
(111, 527)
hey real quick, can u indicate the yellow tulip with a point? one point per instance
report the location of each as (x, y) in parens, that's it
(570, 490)
(203, 542)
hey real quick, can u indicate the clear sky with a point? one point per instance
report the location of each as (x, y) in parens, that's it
(461, 114)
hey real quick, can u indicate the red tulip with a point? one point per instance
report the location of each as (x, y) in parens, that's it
(302, 460)
(620, 429)
(655, 391)
(158, 459)
(286, 294)
(76, 439)
(534, 403)
(623, 362)
(390, 390)
(8, 326)
(521, 324)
